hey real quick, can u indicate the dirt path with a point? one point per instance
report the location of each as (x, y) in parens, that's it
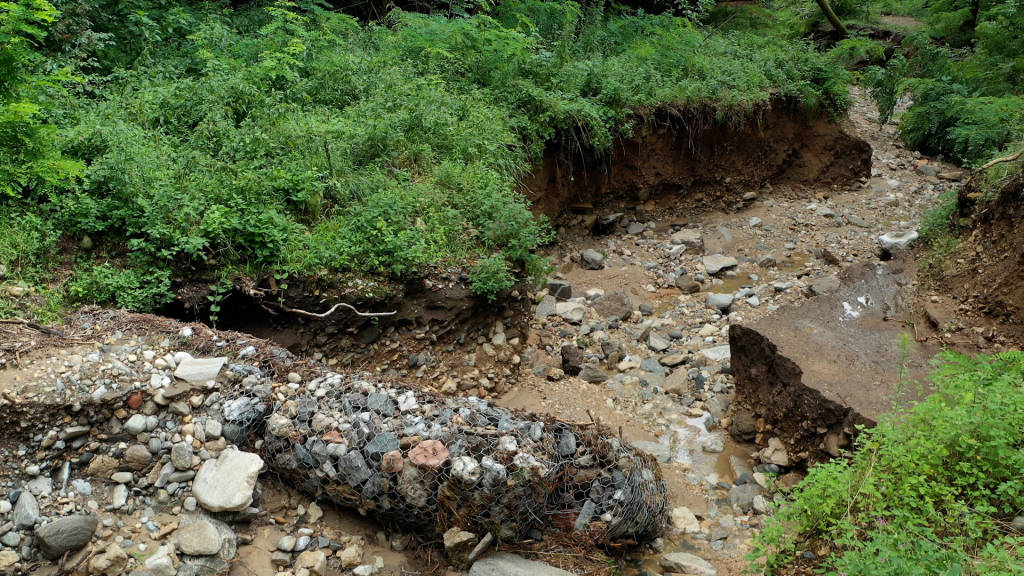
(671, 392)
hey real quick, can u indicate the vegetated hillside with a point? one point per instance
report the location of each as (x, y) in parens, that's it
(957, 65)
(933, 489)
(201, 140)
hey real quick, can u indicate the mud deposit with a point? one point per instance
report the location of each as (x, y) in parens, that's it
(683, 153)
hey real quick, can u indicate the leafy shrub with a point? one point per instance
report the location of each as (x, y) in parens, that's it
(490, 276)
(938, 221)
(930, 490)
(136, 289)
(27, 244)
(281, 139)
(30, 161)
(964, 74)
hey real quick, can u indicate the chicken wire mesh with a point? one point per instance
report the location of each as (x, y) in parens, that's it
(422, 464)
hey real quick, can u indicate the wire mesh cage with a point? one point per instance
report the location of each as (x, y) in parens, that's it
(423, 464)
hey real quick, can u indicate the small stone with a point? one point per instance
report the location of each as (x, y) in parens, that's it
(466, 469)
(572, 312)
(742, 496)
(657, 342)
(181, 456)
(392, 462)
(199, 369)
(592, 259)
(684, 521)
(135, 425)
(825, 285)
(719, 301)
(684, 563)
(138, 456)
(896, 241)
(119, 496)
(560, 289)
(226, 484)
(280, 558)
(548, 306)
(714, 445)
(716, 263)
(161, 563)
(200, 538)
(286, 543)
(8, 558)
(592, 373)
(458, 544)
(351, 556)
(315, 561)
(112, 562)
(615, 304)
(280, 425)
(26, 511)
(65, 534)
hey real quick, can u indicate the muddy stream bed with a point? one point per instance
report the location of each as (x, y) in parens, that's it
(715, 298)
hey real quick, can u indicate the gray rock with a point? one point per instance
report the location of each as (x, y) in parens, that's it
(715, 263)
(505, 564)
(635, 228)
(381, 444)
(566, 444)
(65, 534)
(181, 456)
(652, 365)
(458, 544)
(286, 543)
(857, 221)
(466, 469)
(11, 539)
(280, 558)
(592, 373)
(198, 539)
(560, 289)
(571, 311)
(226, 484)
(742, 496)
(136, 424)
(381, 404)
(353, 467)
(592, 259)
(119, 496)
(213, 564)
(661, 452)
(615, 304)
(546, 307)
(26, 511)
(199, 369)
(719, 301)
(714, 445)
(824, 285)
(684, 563)
(689, 238)
(717, 353)
(896, 241)
(657, 342)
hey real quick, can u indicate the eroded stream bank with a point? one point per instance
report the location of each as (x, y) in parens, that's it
(633, 332)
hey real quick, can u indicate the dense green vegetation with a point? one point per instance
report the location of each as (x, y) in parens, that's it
(931, 490)
(960, 65)
(202, 140)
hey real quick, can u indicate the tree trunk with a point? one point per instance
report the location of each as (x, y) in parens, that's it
(832, 18)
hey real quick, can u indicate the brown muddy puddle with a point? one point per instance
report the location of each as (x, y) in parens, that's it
(732, 284)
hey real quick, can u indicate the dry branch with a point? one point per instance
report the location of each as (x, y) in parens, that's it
(335, 308)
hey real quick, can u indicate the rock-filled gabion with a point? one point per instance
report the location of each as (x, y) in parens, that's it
(424, 464)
